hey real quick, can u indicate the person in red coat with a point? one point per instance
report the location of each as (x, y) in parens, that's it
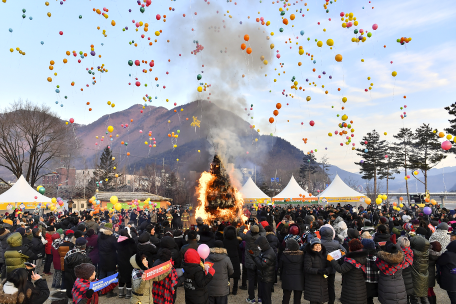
(48, 250)
(57, 279)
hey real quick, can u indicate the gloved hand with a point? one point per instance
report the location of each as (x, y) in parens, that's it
(89, 293)
(329, 258)
(342, 252)
(43, 240)
(212, 271)
(322, 271)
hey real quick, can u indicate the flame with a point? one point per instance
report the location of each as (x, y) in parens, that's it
(227, 214)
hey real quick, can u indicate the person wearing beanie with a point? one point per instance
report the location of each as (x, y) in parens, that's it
(218, 288)
(38, 247)
(391, 287)
(404, 243)
(199, 223)
(231, 244)
(91, 224)
(81, 292)
(73, 258)
(266, 261)
(206, 236)
(272, 239)
(192, 238)
(164, 291)
(146, 248)
(126, 248)
(250, 237)
(441, 236)
(316, 269)
(107, 254)
(196, 278)
(381, 236)
(447, 264)
(16, 254)
(57, 277)
(92, 242)
(352, 269)
(351, 235)
(420, 274)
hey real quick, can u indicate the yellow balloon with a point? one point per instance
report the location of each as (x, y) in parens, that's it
(271, 46)
(54, 200)
(330, 42)
(200, 89)
(394, 73)
(301, 52)
(378, 201)
(110, 129)
(157, 33)
(449, 136)
(118, 206)
(308, 98)
(344, 117)
(114, 200)
(265, 62)
(319, 44)
(49, 14)
(344, 99)
(384, 197)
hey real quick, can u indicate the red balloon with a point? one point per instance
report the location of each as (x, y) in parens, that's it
(137, 62)
(158, 17)
(71, 120)
(312, 123)
(138, 83)
(148, 2)
(151, 63)
(61, 33)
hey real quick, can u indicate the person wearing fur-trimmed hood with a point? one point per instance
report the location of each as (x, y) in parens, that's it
(218, 288)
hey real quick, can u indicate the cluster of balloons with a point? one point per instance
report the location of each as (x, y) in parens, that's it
(41, 189)
(446, 145)
(403, 40)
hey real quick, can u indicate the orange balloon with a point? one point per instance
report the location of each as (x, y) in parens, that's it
(338, 57)
(128, 153)
(401, 198)
(292, 17)
(246, 37)
(427, 199)
(278, 106)
(65, 60)
(249, 51)
(122, 142)
(52, 62)
(271, 119)
(243, 46)
(285, 21)
(275, 112)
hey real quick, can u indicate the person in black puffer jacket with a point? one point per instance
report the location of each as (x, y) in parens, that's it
(146, 248)
(434, 254)
(446, 278)
(381, 236)
(266, 263)
(169, 243)
(352, 270)
(272, 239)
(38, 247)
(291, 265)
(327, 235)
(73, 258)
(196, 279)
(192, 239)
(126, 248)
(231, 244)
(404, 242)
(4, 234)
(206, 236)
(391, 287)
(316, 267)
(107, 252)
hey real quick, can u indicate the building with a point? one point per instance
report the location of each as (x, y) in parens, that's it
(83, 177)
(61, 176)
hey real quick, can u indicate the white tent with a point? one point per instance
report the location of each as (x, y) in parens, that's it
(22, 193)
(250, 191)
(339, 192)
(294, 192)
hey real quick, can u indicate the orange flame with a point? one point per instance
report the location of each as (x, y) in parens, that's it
(228, 214)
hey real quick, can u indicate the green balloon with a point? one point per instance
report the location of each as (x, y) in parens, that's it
(282, 13)
(308, 39)
(199, 76)
(23, 16)
(42, 190)
(142, 9)
(178, 131)
(355, 31)
(251, 105)
(80, 16)
(281, 29)
(369, 34)
(130, 62)
(271, 134)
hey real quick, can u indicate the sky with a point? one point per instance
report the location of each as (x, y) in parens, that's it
(425, 66)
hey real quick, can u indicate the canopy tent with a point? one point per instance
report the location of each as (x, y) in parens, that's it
(21, 193)
(250, 192)
(339, 192)
(294, 192)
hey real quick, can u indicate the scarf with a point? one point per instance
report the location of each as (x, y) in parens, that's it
(356, 264)
(408, 256)
(56, 243)
(73, 251)
(163, 290)
(388, 269)
(443, 238)
(79, 290)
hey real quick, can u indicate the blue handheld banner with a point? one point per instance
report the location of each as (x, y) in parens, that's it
(100, 284)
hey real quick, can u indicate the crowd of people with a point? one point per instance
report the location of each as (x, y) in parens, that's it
(395, 256)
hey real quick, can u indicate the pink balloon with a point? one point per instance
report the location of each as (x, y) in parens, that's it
(446, 145)
(203, 251)
(278, 55)
(126, 125)
(375, 26)
(36, 197)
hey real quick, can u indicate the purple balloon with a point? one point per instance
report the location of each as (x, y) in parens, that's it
(92, 53)
(360, 37)
(330, 77)
(361, 162)
(427, 210)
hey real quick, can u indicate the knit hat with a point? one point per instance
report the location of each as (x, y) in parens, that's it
(60, 231)
(84, 271)
(254, 229)
(264, 224)
(355, 245)
(292, 245)
(108, 226)
(218, 244)
(81, 227)
(352, 233)
(8, 221)
(199, 220)
(144, 237)
(403, 242)
(55, 236)
(192, 257)
(391, 248)
(421, 231)
(366, 235)
(314, 241)
(442, 226)
(416, 222)
(90, 232)
(21, 231)
(192, 235)
(436, 246)
(368, 244)
(80, 241)
(69, 231)
(78, 234)
(50, 228)
(406, 218)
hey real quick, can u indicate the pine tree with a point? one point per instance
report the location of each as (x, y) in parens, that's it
(105, 172)
(452, 111)
(373, 153)
(390, 167)
(171, 184)
(309, 166)
(428, 151)
(403, 149)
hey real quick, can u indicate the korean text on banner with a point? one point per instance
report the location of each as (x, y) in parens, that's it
(157, 270)
(100, 284)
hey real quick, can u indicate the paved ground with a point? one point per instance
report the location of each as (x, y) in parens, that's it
(442, 297)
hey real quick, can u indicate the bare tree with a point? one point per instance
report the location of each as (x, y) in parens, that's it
(30, 136)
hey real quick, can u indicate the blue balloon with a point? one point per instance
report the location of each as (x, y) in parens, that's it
(56, 102)
(365, 150)
(57, 90)
(42, 42)
(10, 30)
(314, 61)
(61, 105)
(31, 18)
(302, 33)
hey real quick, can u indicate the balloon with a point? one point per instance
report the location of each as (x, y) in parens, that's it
(446, 145)
(374, 27)
(344, 99)
(394, 73)
(110, 129)
(384, 197)
(319, 44)
(378, 201)
(330, 42)
(118, 206)
(311, 123)
(71, 120)
(249, 50)
(338, 57)
(203, 251)
(278, 106)
(275, 112)
(271, 120)
(401, 198)
(246, 37)
(243, 46)
(54, 200)
(113, 200)
(42, 190)
(427, 210)
(200, 89)
(367, 200)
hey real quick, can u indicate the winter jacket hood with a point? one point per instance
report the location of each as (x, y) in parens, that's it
(263, 243)
(391, 258)
(327, 233)
(192, 257)
(218, 254)
(229, 233)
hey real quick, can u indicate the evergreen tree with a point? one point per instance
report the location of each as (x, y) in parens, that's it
(403, 149)
(309, 166)
(105, 172)
(428, 151)
(171, 184)
(390, 166)
(373, 153)
(452, 129)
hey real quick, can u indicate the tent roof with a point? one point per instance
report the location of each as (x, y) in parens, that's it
(251, 190)
(22, 192)
(292, 190)
(339, 189)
